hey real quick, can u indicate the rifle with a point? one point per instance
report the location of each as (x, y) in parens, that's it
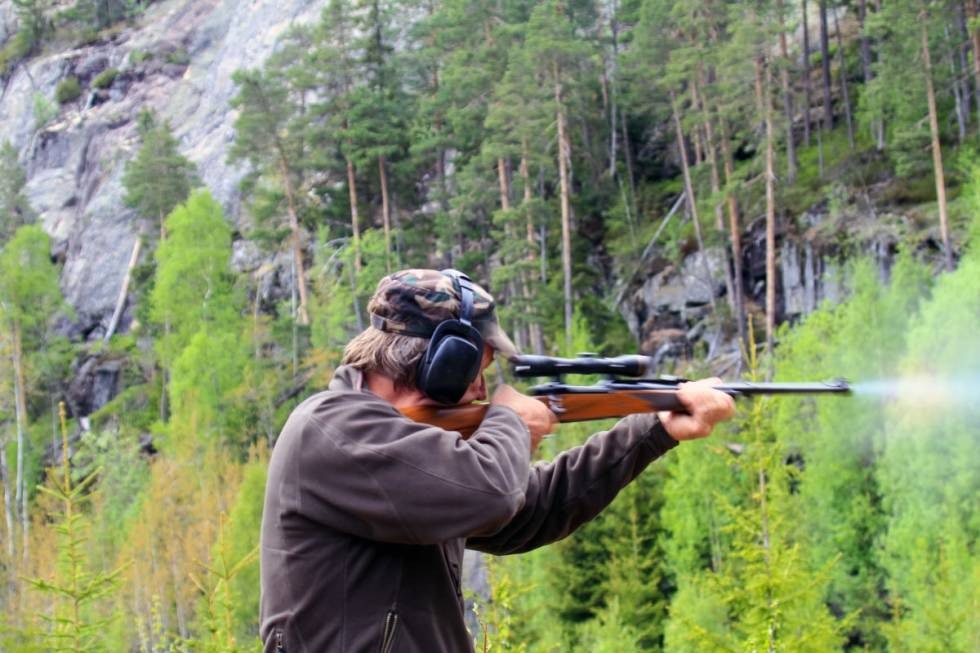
(618, 395)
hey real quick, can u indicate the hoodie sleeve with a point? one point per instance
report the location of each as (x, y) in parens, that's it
(367, 470)
(574, 487)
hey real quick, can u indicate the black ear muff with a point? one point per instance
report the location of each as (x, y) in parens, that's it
(452, 359)
(451, 362)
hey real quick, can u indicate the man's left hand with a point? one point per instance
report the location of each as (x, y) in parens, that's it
(705, 408)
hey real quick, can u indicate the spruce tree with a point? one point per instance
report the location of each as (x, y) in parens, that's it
(159, 177)
(76, 588)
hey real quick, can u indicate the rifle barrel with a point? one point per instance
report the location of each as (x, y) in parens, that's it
(835, 386)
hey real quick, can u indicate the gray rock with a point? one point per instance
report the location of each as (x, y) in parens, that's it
(245, 256)
(8, 20)
(75, 163)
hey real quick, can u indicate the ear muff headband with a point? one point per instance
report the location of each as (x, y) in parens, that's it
(455, 350)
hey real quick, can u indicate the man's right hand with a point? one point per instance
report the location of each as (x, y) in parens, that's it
(539, 420)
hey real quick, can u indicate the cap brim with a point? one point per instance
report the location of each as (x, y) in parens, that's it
(494, 336)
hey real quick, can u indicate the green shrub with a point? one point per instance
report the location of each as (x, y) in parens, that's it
(105, 78)
(44, 110)
(139, 56)
(68, 90)
(17, 48)
(178, 57)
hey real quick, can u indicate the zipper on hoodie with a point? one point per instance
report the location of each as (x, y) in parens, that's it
(388, 635)
(279, 645)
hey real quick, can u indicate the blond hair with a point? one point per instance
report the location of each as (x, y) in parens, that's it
(390, 354)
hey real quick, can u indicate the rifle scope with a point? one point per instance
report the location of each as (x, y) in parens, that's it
(527, 366)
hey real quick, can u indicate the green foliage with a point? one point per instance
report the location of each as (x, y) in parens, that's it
(341, 295)
(928, 479)
(44, 111)
(76, 587)
(159, 178)
(34, 26)
(193, 290)
(137, 56)
(844, 499)
(15, 210)
(29, 292)
(221, 604)
(122, 473)
(105, 79)
(244, 526)
(178, 57)
(68, 90)
(193, 297)
(99, 14)
(810, 525)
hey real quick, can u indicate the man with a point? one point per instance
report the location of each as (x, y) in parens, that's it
(367, 513)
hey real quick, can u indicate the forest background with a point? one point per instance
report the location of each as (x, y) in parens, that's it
(544, 147)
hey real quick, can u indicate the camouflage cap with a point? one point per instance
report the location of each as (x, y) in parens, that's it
(414, 302)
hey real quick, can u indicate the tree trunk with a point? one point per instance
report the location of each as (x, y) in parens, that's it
(20, 398)
(865, 42)
(9, 489)
(937, 154)
(734, 234)
(691, 203)
(828, 118)
(877, 132)
(503, 182)
(385, 211)
(716, 190)
(123, 291)
(971, 9)
(961, 95)
(807, 95)
(628, 156)
(762, 98)
(355, 223)
(695, 132)
(8, 509)
(963, 73)
(564, 155)
(300, 281)
(534, 329)
(843, 84)
(787, 98)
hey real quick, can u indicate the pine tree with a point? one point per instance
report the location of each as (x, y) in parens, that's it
(559, 57)
(335, 61)
(270, 133)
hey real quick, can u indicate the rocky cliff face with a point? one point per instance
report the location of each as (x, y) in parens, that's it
(667, 304)
(177, 61)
